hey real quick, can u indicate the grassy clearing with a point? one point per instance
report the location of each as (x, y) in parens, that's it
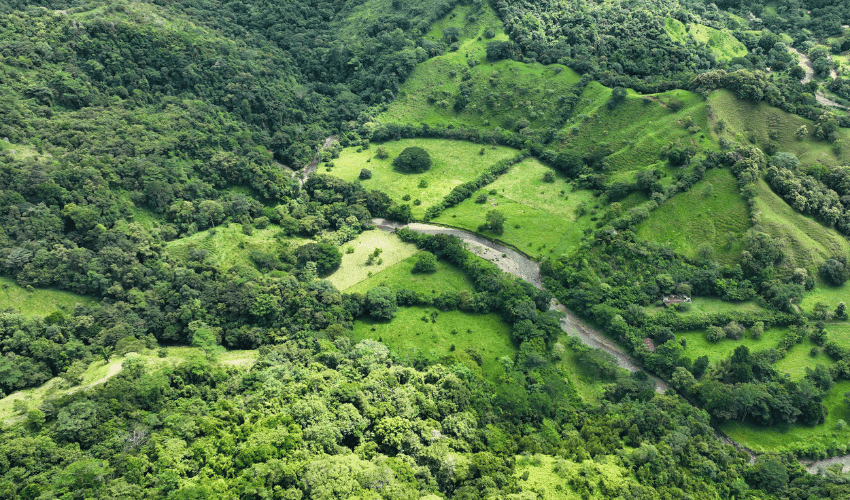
(782, 436)
(722, 44)
(502, 92)
(228, 246)
(638, 129)
(589, 388)
(549, 477)
(454, 162)
(712, 214)
(698, 346)
(809, 242)
(706, 306)
(407, 334)
(354, 269)
(746, 122)
(828, 294)
(799, 358)
(400, 276)
(540, 217)
(40, 301)
(99, 372)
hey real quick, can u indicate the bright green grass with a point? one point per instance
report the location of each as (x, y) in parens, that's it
(716, 216)
(799, 358)
(706, 306)
(99, 371)
(828, 294)
(227, 246)
(722, 44)
(354, 269)
(502, 92)
(453, 163)
(784, 436)
(546, 473)
(809, 242)
(39, 302)
(400, 276)
(638, 129)
(839, 331)
(748, 122)
(589, 388)
(407, 334)
(546, 217)
(698, 346)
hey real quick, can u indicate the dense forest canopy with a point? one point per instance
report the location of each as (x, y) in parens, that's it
(175, 163)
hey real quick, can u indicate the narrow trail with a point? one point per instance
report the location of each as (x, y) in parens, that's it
(311, 167)
(517, 264)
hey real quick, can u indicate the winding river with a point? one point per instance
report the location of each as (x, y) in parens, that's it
(510, 261)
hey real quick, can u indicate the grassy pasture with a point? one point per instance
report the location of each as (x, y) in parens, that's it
(712, 213)
(354, 269)
(722, 44)
(828, 294)
(400, 276)
(747, 122)
(698, 346)
(39, 302)
(453, 163)
(638, 129)
(502, 92)
(408, 334)
(705, 306)
(783, 436)
(227, 246)
(809, 242)
(546, 217)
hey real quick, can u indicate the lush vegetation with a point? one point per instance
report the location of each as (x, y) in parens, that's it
(197, 303)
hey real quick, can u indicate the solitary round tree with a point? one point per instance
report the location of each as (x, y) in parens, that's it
(326, 256)
(413, 159)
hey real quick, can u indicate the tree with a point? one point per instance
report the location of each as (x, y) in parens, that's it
(833, 272)
(365, 174)
(326, 256)
(381, 302)
(714, 334)
(413, 159)
(495, 221)
(425, 263)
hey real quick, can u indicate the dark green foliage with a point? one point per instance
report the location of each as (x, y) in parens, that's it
(834, 272)
(365, 174)
(413, 159)
(381, 302)
(425, 263)
(326, 256)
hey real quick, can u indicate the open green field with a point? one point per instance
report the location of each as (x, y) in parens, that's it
(722, 44)
(408, 335)
(501, 92)
(453, 163)
(541, 217)
(550, 477)
(228, 246)
(795, 362)
(786, 436)
(698, 346)
(638, 129)
(354, 269)
(705, 306)
(400, 276)
(827, 294)
(746, 122)
(809, 242)
(839, 331)
(39, 302)
(712, 214)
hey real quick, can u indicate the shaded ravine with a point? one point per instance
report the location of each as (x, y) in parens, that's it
(806, 63)
(311, 167)
(512, 262)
